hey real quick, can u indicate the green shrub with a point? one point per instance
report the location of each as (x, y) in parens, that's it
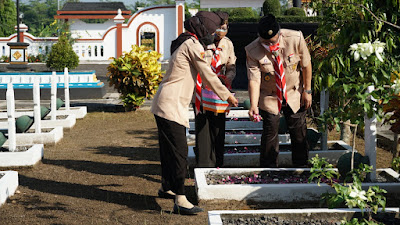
(295, 11)
(136, 75)
(272, 7)
(62, 55)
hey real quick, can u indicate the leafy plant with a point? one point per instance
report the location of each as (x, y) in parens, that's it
(396, 164)
(322, 171)
(392, 108)
(355, 221)
(5, 59)
(350, 194)
(136, 75)
(37, 58)
(62, 55)
(344, 24)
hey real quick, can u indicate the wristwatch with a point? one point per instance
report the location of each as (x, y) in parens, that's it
(308, 91)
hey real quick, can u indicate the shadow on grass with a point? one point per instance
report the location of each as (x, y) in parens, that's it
(138, 170)
(91, 192)
(150, 134)
(132, 153)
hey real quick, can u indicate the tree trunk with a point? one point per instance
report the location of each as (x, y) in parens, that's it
(345, 132)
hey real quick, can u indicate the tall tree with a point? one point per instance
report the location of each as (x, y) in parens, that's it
(8, 17)
(39, 14)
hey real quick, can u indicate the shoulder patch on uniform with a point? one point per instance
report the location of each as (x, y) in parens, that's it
(202, 54)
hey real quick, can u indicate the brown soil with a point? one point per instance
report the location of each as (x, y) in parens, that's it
(106, 170)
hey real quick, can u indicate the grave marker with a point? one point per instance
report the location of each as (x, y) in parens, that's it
(370, 138)
(53, 95)
(36, 105)
(66, 89)
(11, 118)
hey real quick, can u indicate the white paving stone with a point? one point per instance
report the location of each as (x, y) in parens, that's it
(8, 185)
(215, 216)
(24, 158)
(271, 192)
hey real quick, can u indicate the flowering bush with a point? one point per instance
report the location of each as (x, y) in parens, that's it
(356, 58)
(136, 75)
(37, 58)
(5, 59)
(349, 194)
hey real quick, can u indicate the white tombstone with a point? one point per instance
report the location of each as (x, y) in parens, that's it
(36, 105)
(324, 104)
(370, 138)
(11, 118)
(66, 89)
(53, 95)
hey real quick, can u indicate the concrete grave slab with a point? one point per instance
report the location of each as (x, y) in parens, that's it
(52, 137)
(215, 216)
(290, 192)
(23, 158)
(8, 185)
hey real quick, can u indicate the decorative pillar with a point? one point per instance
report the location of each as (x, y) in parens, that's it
(22, 29)
(180, 16)
(119, 20)
(18, 50)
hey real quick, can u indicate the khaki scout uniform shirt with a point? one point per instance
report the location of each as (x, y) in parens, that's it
(228, 58)
(294, 53)
(175, 92)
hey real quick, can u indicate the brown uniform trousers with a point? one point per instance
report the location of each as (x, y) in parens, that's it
(170, 107)
(294, 53)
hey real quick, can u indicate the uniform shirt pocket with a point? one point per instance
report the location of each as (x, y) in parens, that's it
(292, 64)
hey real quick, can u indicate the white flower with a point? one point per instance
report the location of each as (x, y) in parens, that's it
(364, 50)
(357, 194)
(356, 56)
(353, 47)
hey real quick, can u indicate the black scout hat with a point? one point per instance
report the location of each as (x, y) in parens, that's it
(268, 27)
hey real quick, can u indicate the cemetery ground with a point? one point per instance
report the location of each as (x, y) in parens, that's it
(106, 170)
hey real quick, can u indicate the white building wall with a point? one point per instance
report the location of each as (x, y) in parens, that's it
(91, 38)
(80, 29)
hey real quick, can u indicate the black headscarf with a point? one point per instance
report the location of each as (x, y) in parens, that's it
(203, 24)
(224, 17)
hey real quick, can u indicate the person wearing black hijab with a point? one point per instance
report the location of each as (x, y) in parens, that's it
(210, 122)
(172, 100)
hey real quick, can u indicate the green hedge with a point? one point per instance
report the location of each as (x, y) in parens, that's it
(280, 19)
(295, 11)
(272, 7)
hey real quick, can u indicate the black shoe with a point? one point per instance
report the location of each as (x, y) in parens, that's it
(185, 211)
(163, 194)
